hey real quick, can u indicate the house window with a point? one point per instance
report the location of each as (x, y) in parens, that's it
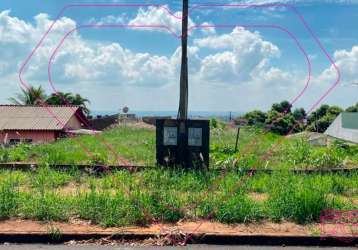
(29, 141)
(17, 141)
(14, 141)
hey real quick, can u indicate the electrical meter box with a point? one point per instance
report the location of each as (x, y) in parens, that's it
(183, 142)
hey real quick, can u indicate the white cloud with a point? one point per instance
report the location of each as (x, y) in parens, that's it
(239, 39)
(347, 62)
(13, 30)
(240, 58)
(344, 93)
(245, 56)
(111, 19)
(77, 60)
(208, 28)
(159, 16)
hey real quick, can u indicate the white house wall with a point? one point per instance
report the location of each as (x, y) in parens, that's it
(336, 130)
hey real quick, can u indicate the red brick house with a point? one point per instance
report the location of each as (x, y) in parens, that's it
(38, 124)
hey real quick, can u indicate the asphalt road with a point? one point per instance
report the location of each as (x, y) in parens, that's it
(190, 247)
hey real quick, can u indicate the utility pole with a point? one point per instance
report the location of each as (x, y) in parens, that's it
(183, 142)
(183, 101)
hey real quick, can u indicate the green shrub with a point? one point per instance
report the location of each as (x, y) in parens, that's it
(19, 153)
(46, 206)
(213, 123)
(255, 118)
(298, 153)
(297, 199)
(237, 208)
(98, 158)
(108, 210)
(4, 156)
(326, 158)
(45, 178)
(301, 153)
(9, 198)
(166, 207)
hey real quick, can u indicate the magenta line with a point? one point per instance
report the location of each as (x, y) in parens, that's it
(291, 35)
(192, 8)
(170, 13)
(198, 26)
(160, 6)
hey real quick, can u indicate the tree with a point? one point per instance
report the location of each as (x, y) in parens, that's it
(280, 119)
(255, 117)
(334, 111)
(299, 114)
(81, 102)
(353, 108)
(322, 111)
(284, 106)
(280, 123)
(29, 96)
(321, 119)
(61, 98)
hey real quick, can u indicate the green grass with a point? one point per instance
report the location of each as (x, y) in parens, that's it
(257, 149)
(153, 195)
(140, 198)
(137, 145)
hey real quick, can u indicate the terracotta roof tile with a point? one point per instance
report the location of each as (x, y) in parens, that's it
(15, 117)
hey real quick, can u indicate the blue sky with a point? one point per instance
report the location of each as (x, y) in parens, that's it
(231, 69)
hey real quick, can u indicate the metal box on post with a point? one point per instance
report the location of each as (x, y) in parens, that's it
(183, 142)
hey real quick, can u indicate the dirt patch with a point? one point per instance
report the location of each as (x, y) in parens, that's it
(352, 200)
(139, 124)
(73, 189)
(76, 226)
(258, 197)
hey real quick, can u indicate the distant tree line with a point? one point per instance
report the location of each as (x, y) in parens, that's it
(282, 120)
(37, 96)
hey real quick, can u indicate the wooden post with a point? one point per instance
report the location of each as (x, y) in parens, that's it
(237, 139)
(183, 101)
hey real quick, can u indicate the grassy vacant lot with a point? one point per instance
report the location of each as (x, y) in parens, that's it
(257, 149)
(152, 195)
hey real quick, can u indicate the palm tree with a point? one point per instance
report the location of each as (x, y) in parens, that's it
(29, 96)
(81, 102)
(61, 98)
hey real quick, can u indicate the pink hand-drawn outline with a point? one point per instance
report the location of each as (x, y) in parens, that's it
(341, 219)
(207, 26)
(148, 26)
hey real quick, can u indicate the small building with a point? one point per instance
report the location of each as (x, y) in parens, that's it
(38, 124)
(344, 127)
(104, 122)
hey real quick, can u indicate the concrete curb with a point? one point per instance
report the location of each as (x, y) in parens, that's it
(263, 240)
